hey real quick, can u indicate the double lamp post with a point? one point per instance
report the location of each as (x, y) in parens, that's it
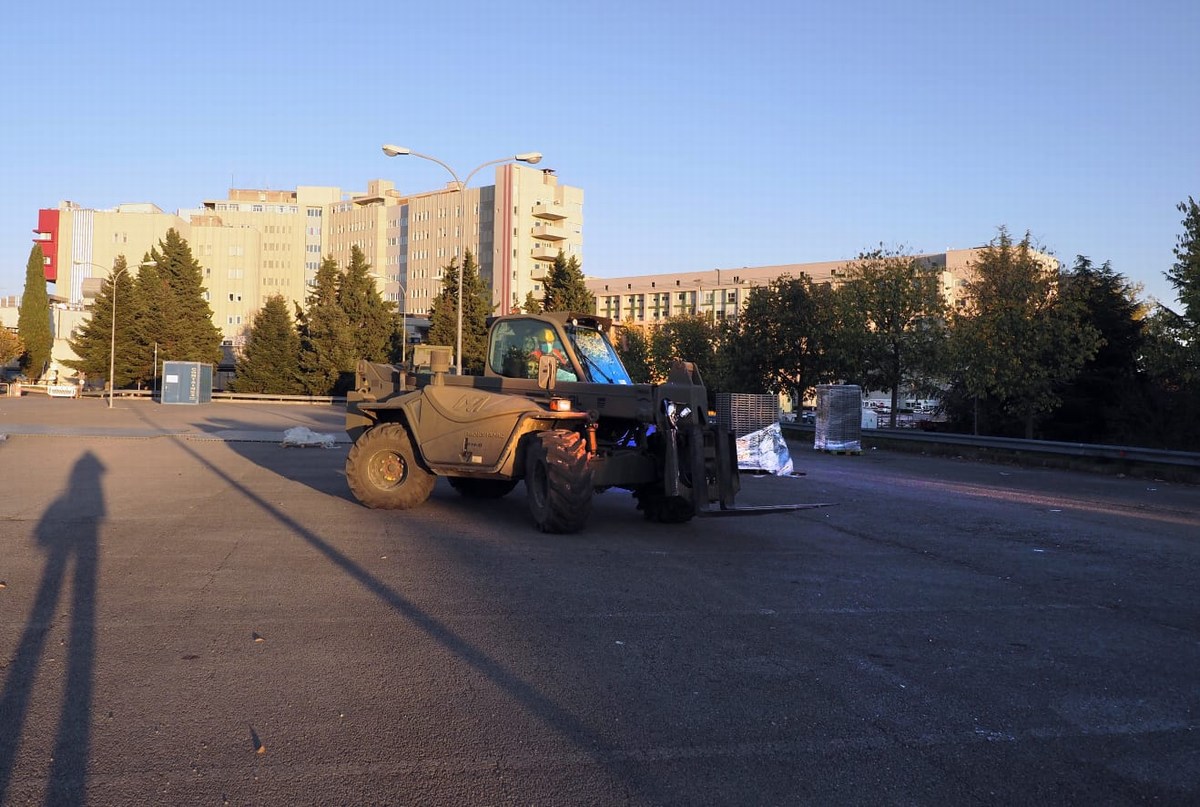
(530, 157)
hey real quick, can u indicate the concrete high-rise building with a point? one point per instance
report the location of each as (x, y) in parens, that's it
(256, 243)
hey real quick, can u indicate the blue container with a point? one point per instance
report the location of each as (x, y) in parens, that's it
(186, 382)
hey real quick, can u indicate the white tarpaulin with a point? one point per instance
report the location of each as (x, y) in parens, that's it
(301, 436)
(764, 450)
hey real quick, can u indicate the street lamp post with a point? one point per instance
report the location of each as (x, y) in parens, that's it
(112, 339)
(113, 274)
(531, 157)
(403, 322)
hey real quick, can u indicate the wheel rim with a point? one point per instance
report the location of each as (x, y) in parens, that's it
(387, 470)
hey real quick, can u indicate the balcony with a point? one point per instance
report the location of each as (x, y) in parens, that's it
(545, 253)
(547, 211)
(548, 233)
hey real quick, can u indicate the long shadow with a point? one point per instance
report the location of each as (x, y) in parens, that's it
(590, 743)
(66, 539)
(294, 464)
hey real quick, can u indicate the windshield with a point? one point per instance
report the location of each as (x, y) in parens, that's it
(600, 362)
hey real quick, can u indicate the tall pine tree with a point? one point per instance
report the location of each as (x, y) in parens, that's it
(477, 305)
(565, 287)
(1185, 274)
(326, 342)
(171, 312)
(269, 361)
(372, 320)
(94, 340)
(33, 317)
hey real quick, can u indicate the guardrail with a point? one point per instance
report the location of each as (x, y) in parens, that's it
(1186, 460)
(220, 397)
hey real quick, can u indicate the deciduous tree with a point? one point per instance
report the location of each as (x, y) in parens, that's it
(1018, 339)
(687, 337)
(893, 321)
(11, 346)
(783, 337)
(634, 349)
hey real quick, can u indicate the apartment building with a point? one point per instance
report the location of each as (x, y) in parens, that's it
(256, 243)
(722, 293)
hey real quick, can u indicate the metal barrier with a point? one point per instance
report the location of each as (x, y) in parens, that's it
(229, 397)
(1094, 451)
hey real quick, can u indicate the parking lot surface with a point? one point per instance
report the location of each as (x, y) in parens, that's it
(191, 612)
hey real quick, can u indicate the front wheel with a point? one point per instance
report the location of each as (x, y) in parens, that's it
(383, 470)
(558, 481)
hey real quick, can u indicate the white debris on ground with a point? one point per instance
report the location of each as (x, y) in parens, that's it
(765, 450)
(304, 437)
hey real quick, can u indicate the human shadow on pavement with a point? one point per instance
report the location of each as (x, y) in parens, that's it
(70, 544)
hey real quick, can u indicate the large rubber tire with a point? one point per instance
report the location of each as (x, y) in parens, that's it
(558, 481)
(663, 510)
(383, 470)
(482, 488)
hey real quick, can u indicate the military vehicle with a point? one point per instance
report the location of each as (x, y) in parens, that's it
(556, 408)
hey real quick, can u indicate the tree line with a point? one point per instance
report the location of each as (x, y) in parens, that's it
(161, 312)
(1033, 350)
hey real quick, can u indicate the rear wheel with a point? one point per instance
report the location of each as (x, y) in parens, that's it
(558, 481)
(383, 470)
(482, 488)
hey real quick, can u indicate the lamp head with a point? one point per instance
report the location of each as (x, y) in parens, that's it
(395, 151)
(531, 157)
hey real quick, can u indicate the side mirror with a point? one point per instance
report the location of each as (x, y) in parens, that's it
(547, 372)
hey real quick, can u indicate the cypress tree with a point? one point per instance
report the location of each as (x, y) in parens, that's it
(269, 362)
(33, 317)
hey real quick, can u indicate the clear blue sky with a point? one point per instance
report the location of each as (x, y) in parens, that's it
(704, 134)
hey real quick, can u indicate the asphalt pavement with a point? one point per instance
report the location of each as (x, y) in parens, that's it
(193, 613)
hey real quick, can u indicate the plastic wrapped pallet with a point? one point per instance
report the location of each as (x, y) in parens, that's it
(839, 418)
(764, 450)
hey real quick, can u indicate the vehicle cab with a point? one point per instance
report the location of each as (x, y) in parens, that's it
(579, 344)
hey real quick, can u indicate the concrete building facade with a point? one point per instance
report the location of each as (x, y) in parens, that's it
(646, 300)
(256, 243)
